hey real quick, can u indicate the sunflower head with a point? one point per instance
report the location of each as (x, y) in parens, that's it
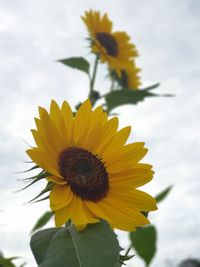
(113, 48)
(129, 78)
(94, 172)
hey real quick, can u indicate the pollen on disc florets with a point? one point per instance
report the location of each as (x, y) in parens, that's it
(85, 173)
(108, 42)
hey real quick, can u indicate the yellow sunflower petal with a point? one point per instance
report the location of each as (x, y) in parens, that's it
(118, 141)
(45, 140)
(123, 40)
(106, 135)
(134, 177)
(95, 23)
(62, 216)
(37, 139)
(60, 196)
(44, 160)
(82, 122)
(57, 119)
(128, 218)
(96, 210)
(50, 130)
(106, 24)
(139, 200)
(91, 217)
(78, 214)
(56, 180)
(68, 121)
(127, 157)
(115, 216)
(98, 120)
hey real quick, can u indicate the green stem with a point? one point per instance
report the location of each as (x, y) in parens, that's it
(112, 85)
(92, 81)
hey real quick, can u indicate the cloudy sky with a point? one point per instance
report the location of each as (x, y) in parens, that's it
(33, 34)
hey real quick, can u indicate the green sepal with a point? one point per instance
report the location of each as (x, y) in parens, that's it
(41, 199)
(48, 188)
(126, 257)
(78, 63)
(42, 221)
(127, 96)
(163, 194)
(95, 246)
(144, 242)
(30, 169)
(35, 179)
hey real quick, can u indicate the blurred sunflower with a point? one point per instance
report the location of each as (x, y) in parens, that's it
(95, 174)
(114, 48)
(129, 78)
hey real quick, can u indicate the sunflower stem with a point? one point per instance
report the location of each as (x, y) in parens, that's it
(92, 81)
(112, 85)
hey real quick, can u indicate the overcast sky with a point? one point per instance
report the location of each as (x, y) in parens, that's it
(33, 34)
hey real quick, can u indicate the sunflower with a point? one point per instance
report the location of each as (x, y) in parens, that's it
(114, 48)
(95, 174)
(129, 78)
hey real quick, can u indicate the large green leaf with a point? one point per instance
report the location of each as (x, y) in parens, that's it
(79, 63)
(96, 246)
(144, 242)
(162, 195)
(127, 96)
(44, 219)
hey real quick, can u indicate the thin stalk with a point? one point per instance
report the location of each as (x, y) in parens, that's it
(92, 81)
(112, 85)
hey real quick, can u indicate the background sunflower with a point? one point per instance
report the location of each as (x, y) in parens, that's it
(113, 48)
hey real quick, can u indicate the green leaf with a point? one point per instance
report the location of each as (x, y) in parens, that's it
(127, 96)
(95, 246)
(7, 262)
(79, 63)
(144, 242)
(162, 195)
(44, 219)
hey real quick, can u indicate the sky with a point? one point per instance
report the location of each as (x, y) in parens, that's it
(33, 35)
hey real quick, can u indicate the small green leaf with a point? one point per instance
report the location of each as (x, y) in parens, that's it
(95, 246)
(44, 219)
(7, 262)
(162, 195)
(144, 242)
(127, 96)
(79, 63)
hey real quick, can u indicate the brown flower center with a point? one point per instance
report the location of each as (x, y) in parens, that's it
(108, 42)
(85, 173)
